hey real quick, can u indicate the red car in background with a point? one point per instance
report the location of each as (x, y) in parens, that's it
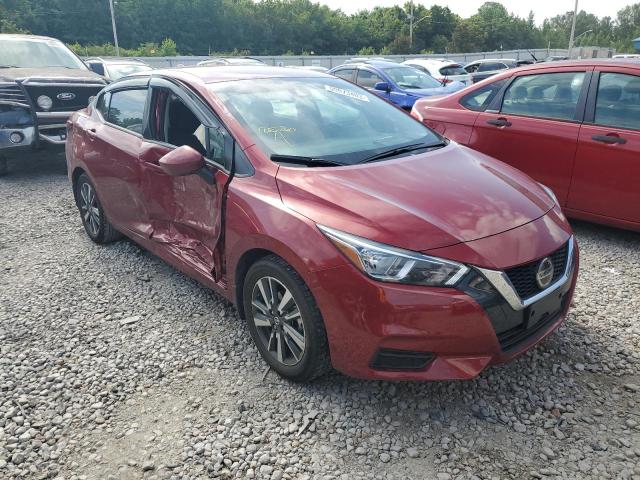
(345, 232)
(574, 126)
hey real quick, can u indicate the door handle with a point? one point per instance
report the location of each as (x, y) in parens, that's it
(499, 122)
(610, 139)
(92, 134)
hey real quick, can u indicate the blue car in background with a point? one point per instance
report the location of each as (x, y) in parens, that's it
(398, 83)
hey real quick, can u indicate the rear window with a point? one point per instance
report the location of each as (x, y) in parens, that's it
(450, 70)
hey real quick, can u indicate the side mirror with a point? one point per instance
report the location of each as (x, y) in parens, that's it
(382, 86)
(182, 161)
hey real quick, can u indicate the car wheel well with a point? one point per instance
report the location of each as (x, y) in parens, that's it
(244, 264)
(74, 181)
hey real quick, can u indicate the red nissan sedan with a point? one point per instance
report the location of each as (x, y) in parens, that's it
(347, 233)
(574, 126)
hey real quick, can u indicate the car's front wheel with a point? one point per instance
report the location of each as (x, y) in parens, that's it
(93, 217)
(284, 320)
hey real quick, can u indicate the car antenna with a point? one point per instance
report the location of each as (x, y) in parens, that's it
(532, 55)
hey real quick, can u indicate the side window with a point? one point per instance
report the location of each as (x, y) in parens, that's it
(346, 73)
(546, 95)
(480, 99)
(368, 79)
(97, 68)
(472, 68)
(126, 109)
(618, 101)
(102, 105)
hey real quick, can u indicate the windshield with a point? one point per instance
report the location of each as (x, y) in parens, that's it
(325, 118)
(122, 70)
(411, 78)
(452, 70)
(25, 53)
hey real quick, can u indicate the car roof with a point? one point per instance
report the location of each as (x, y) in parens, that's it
(373, 63)
(23, 36)
(206, 74)
(494, 60)
(594, 62)
(119, 61)
(433, 62)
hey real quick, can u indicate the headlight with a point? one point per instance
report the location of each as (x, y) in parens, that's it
(389, 264)
(44, 102)
(550, 193)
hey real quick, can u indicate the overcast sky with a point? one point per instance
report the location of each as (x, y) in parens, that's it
(465, 8)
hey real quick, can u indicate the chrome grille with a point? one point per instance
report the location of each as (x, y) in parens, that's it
(12, 93)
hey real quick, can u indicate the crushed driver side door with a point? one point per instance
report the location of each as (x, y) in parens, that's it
(186, 213)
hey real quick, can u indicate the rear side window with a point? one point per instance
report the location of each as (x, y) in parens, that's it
(452, 70)
(346, 73)
(368, 79)
(618, 101)
(480, 99)
(127, 109)
(547, 95)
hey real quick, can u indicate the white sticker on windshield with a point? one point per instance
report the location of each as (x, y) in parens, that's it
(347, 93)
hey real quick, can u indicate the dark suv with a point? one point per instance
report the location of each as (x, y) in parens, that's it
(42, 83)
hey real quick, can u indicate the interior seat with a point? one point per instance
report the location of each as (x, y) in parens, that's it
(182, 126)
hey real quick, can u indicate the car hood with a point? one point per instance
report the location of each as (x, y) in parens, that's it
(50, 73)
(420, 202)
(436, 91)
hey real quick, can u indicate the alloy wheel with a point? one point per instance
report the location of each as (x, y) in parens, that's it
(89, 209)
(278, 321)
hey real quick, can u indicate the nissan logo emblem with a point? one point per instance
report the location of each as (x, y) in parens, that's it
(66, 96)
(544, 276)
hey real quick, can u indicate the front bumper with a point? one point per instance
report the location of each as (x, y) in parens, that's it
(463, 333)
(50, 131)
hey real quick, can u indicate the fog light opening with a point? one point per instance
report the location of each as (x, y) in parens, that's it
(388, 359)
(16, 137)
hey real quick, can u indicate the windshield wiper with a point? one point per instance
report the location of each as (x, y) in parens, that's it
(310, 161)
(405, 149)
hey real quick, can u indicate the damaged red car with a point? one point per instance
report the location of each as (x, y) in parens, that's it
(347, 233)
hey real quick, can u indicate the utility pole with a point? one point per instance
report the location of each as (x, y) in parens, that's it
(115, 32)
(411, 29)
(573, 27)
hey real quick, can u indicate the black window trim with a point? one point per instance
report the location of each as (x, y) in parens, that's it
(496, 105)
(590, 111)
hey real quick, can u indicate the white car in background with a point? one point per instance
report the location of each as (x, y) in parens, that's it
(445, 71)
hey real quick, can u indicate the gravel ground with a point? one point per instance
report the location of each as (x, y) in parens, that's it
(114, 365)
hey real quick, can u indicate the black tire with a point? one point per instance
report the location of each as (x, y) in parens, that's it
(312, 361)
(95, 222)
(4, 167)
